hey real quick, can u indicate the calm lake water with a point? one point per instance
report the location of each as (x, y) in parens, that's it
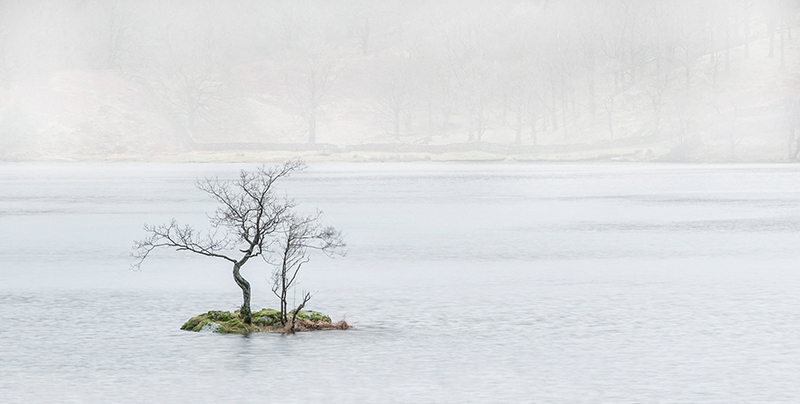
(467, 283)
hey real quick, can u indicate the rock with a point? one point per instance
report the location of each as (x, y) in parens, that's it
(209, 326)
(220, 315)
(266, 317)
(264, 320)
(314, 316)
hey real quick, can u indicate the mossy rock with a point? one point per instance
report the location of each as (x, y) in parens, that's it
(220, 315)
(193, 322)
(266, 317)
(232, 326)
(314, 316)
(264, 320)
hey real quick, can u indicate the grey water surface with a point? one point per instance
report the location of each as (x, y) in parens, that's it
(466, 283)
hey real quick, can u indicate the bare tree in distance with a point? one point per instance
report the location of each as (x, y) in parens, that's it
(791, 109)
(116, 31)
(436, 88)
(241, 228)
(372, 23)
(198, 97)
(691, 37)
(474, 73)
(362, 26)
(519, 93)
(318, 72)
(188, 74)
(297, 235)
(661, 43)
(5, 65)
(396, 92)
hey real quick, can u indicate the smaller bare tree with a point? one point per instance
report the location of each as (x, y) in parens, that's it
(297, 235)
(245, 223)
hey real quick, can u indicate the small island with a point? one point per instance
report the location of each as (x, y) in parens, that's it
(264, 320)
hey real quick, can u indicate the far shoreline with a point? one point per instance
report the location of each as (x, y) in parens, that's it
(644, 156)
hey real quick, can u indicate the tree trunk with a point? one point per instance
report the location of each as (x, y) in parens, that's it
(746, 35)
(574, 105)
(409, 121)
(783, 60)
(688, 66)
(397, 124)
(284, 312)
(657, 111)
(591, 77)
(771, 39)
(478, 127)
(609, 106)
(245, 286)
(312, 127)
(727, 49)
(592, 104)
(657, 125)
(554, 111)
(429, 135)
(564, 106)
(564, 117)
(188, 128)
(306, 298)
(365, 37)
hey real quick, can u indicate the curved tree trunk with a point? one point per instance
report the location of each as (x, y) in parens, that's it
(245, 285)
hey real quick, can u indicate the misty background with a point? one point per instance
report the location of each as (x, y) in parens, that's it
(557, 282)
(628, 80)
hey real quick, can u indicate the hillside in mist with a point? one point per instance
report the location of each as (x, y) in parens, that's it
(360, 80)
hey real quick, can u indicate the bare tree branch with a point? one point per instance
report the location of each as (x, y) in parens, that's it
(249, 216)
(298, 234)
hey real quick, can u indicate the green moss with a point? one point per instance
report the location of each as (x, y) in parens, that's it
(266, 313)
(316, 316)
(189, 325)
(201, 324)
(311, 315)
(263, 320)
(234, 325)
(266, 317)
(220, 315)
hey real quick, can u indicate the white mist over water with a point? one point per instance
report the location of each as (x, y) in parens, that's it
(466, 283)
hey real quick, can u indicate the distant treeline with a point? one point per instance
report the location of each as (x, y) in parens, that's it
(355, 71)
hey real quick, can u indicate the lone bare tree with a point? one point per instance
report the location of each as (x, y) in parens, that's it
(396, 93)
(297, 235)
(317, 68)
(244, 225)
